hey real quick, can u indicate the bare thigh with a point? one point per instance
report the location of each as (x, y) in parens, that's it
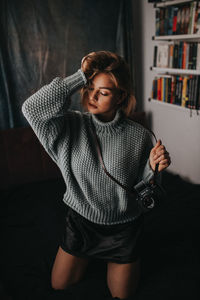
(123, 279)
(67, 269)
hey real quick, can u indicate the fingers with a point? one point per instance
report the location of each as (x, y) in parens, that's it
(159, 155)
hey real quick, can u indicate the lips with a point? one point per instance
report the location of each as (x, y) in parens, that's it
(92, 105)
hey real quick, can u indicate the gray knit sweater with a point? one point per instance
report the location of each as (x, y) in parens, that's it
(66, 136)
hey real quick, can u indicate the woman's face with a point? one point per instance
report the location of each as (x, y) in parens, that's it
(103, 97)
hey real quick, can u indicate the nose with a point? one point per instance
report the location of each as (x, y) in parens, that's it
(94, 95)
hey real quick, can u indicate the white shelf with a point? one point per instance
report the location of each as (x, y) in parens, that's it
(177, 37)
(173, 106)
(170, 3)
(176, 71)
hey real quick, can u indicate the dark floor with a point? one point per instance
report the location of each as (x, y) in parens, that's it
(31, 221)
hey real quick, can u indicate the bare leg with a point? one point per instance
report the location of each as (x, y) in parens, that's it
(67, 269)
(123, 279)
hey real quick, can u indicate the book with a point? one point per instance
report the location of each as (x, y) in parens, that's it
(190, 56)
(162, 20)
(187, 92)
(197, 104)
(180, 88)
(157, 22)
(194, 56)
(198, 57)
(196, 17)
(187, 19)
(182, 27)
(193, 16)
(174, 20)
(190, 28)
(191, 92)
(184, 55)
(162, 56)
(180, 55)
(170, 59)
(159, 89)
(187, 55)
(173, 88)
(178, 22)
(184, 91)
(196, 82)
(170, 20)
(155, 56)
(197, 25)
(175, 56)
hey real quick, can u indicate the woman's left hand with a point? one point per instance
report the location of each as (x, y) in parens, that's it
(159, 155)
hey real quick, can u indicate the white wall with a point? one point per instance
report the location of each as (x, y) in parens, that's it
(173, 125)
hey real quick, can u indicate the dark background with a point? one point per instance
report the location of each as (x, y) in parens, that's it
(40, 40)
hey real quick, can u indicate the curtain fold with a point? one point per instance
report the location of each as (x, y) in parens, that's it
(40, 40)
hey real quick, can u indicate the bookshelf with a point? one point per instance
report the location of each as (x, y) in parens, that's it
(185, 37)
(170, 3)
(175, 71)
(176, 59)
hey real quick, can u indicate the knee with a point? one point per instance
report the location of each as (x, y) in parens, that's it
(59, 283)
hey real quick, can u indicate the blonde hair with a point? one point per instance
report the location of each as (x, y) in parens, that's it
(114, 65)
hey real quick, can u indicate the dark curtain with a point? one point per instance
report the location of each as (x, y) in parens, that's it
(40, 40)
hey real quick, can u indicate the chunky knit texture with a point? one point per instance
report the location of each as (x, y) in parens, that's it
(66, 136)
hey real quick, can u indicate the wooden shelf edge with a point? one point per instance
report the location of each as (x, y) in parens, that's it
(174, 106)
(170, 3)
(176, 37)
(176, 71)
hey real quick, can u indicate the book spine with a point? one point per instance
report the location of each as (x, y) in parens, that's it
(198, 20)
(193, 16)
(187, 92)
(190, 18)
(174, 20)
(184, 56)
(170, 20)
(169, 89)
(157, 22)
(180, 55)
(197, 104)
(173, 88)
(155, 56)
(183, 100)
(190, 56)
(194, 56)
(195, 92)
(178, 23)
(198, 57)
(187, 56)
(187, 19)
(159, 89)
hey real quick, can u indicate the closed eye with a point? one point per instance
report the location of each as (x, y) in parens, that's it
(104, 94)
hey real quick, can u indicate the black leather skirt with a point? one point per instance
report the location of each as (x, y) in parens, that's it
(119, 243)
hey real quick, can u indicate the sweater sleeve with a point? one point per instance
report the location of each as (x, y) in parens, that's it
(146, 173)
(46, 109)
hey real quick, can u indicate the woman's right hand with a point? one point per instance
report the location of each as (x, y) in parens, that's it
(86, 64)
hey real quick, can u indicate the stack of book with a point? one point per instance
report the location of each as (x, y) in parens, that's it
(178, 19)
(179, 90)
(182, 55)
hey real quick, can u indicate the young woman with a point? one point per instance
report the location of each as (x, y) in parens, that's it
(103, 221)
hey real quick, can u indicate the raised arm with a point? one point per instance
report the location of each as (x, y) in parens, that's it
(46, 109)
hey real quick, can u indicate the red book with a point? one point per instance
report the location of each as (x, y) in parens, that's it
(175, 20)
(184, 55)
(159, 89)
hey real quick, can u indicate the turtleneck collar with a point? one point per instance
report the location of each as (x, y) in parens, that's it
(111, 127)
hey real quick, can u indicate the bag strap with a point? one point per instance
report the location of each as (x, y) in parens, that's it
(133, 191)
